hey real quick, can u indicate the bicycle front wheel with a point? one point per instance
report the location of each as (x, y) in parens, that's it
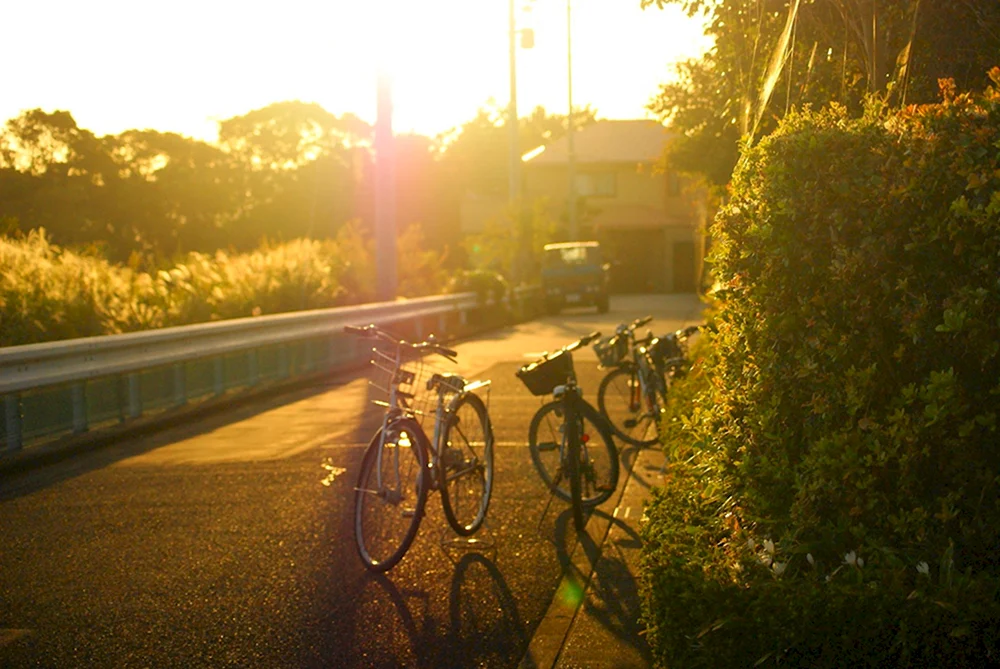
(598, 457)
(574, 448)
(390, 496)
(466, 465)
(632, 417)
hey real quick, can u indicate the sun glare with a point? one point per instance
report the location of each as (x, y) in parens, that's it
(206, 62)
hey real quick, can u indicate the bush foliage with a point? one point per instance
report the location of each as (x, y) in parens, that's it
(48, 293)
(835, 498)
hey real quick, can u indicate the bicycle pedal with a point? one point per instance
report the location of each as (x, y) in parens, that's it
(631, 422)
(547, 446)
(409, 513)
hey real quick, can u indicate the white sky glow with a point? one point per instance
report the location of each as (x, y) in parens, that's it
(182, 66)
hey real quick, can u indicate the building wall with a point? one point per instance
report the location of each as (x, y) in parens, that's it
(651, 228)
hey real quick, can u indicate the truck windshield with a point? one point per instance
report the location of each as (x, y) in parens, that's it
(573, 255)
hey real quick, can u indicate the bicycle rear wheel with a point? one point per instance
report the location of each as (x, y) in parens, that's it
(390, 496)
(466, 465)
(598, 457)
(620, 400)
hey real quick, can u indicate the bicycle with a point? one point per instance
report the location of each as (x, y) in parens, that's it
(570, 441)
(401, 465)
(633, 395)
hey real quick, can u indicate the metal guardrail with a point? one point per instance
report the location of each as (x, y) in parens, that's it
(58, 387)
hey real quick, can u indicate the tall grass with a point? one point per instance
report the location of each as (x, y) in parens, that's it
(49, 293)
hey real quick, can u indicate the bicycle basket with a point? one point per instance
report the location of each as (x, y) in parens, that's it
(666, 347)
(409, 377)
(542, 376)
(610, 355)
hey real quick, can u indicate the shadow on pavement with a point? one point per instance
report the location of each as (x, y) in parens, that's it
(81, 455)
(480, 606)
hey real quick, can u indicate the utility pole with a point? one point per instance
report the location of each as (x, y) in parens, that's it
(522, 233)
(385, 192)
(570, 150)
(512, 129)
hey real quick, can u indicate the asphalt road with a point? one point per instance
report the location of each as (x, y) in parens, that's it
(228, 542)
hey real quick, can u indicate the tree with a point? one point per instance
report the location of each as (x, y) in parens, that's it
(181, 194)
(771, 55)
(299, 169)
(50, 172)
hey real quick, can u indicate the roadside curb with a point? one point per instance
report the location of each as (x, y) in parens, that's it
(555, 630)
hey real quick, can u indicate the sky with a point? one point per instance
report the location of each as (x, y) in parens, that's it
(182, 66)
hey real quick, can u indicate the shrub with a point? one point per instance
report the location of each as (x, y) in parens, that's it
(48, 293)
(850, 404)
(489, 287)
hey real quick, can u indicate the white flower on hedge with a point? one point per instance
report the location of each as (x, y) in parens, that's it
(810, 560)
(766, 560)
(769, 546)
(861, 562)
(923, 568)
(851, 558)
(779, 568)
(751, 544)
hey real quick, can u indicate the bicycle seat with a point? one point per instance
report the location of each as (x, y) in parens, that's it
(450, 382)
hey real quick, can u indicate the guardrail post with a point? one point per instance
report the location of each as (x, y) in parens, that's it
(253, 372)
(180, 384)
(463, 317)
(12, 419)
(307, 355)
(219, 375)
(134, 396)
(284, 370)
(78, 395)
(443, 324)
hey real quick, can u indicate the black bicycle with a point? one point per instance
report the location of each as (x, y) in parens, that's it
(402, 464)
(628, 395)
(570, 441)
(633, 395)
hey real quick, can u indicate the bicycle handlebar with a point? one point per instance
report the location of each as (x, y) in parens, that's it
(583, 341)
(372, 331)
(627, 330)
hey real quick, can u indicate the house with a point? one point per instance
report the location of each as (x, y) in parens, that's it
(650, 221)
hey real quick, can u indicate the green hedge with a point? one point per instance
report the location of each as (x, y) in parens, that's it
(848, 412)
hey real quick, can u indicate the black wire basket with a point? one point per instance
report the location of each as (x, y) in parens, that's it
(610, 354)
(542, 376)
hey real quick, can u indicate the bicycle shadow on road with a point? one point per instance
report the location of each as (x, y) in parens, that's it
(601, 581)
(646, 477)
(483, 626)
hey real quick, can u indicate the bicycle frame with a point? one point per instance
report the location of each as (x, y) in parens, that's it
(399, 410)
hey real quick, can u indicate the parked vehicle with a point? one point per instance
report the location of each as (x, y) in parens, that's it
(574, 274)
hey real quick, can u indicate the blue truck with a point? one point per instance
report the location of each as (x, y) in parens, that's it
(574, 274)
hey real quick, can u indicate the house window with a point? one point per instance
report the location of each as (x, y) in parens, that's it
(598, 184)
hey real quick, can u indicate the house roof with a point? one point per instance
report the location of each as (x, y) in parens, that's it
(632, 141)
